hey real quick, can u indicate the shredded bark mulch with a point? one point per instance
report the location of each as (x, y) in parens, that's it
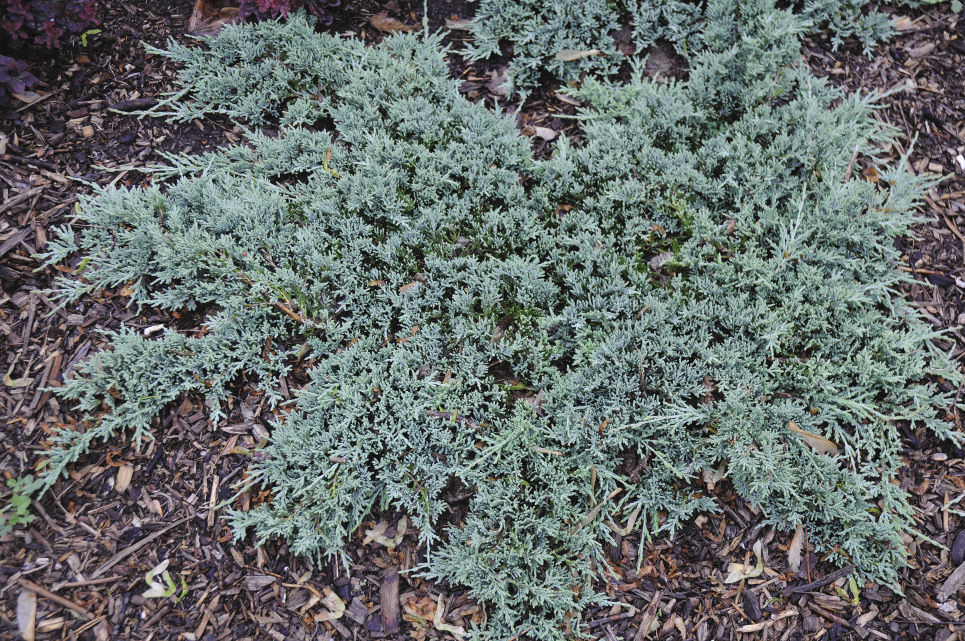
(78, 571)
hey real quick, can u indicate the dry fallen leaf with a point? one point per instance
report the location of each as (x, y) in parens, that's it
(377, 533)
(569, 55)
(867, 617)
(794, 550)
(952, 584)
(819, 443)
(30, 97)
(903, 23)
(27, 614)
(464, 25)
(456, 630)
(713, 477)
(207, 19)
(739, 571)
(335, 606)
(570, 100)
(383, 22)
(124, 475)
(17, 382)
(497, 83)
(922, 51)
(419, 610)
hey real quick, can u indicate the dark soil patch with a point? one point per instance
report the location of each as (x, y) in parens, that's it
(96, 538)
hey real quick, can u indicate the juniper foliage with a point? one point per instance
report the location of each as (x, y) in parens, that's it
(535, 31)
(669, 295)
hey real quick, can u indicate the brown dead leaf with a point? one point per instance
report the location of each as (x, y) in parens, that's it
(819, 443)
(30, 98)
(207, 19)
(794, 550)
(437, 621)
(540, 132)
(384, 22)
(497, 83)
(713, 477)
(903, 23)
(569, 55)
(419, 610)
(922, 51)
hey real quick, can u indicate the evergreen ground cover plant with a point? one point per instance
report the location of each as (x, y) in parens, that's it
(701, 284)
(568, 39)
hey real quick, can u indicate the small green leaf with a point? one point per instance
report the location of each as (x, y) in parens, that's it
(89, 32)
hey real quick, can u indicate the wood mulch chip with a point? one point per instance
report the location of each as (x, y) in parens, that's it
(78, 571)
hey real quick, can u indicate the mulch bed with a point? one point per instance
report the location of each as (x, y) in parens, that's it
(122, 511)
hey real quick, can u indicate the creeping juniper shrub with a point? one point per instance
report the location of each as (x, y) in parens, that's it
(676, 293)
(538, 32)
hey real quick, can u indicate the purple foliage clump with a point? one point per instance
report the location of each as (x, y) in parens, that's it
(45, 22)
(260, 9)
(14, 78)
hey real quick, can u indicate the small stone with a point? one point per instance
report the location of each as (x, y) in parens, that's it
(87, 131)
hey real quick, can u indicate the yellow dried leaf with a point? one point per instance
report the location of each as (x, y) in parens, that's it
(17, 382)
(819, 443)
(739, 571)
(335, 606)
(569, 55)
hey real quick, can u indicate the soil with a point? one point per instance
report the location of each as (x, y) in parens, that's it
(123, 510)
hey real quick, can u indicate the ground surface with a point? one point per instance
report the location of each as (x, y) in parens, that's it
(123, 511)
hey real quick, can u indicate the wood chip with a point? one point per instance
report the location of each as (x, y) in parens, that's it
(389, 599)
